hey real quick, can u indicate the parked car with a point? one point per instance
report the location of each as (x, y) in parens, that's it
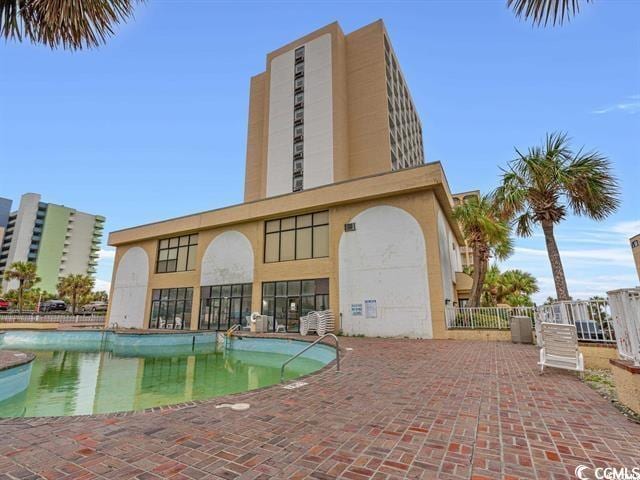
(94, 307)
(589, 330)
(4, 304)
(53, 306)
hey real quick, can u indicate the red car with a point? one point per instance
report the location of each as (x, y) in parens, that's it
(4, 305)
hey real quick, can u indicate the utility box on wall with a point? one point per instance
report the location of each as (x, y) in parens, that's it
(521, 331)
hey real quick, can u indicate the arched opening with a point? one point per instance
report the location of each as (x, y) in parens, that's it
(383, 276)
(130, 289)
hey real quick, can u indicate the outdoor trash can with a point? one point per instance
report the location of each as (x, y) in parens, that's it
(521, 330)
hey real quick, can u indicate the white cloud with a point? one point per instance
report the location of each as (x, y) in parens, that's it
(583, 288)
(630, 105)
(610, 256)
(107, 253)
(629, 229)
(102, 285)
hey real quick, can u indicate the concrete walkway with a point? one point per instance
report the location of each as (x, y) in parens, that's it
(399, 409)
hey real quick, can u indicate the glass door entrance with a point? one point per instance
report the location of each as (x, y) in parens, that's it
(285, 302)
(293, 314)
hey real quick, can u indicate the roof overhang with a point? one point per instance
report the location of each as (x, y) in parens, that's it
(425, 177)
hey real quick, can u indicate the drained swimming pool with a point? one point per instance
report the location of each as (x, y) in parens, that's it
(78, 373)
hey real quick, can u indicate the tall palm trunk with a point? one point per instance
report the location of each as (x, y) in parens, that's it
(74, 301)
(20, 296)
(562, 293)
(479, 273)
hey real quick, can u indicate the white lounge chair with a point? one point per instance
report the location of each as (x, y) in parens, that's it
(326, 322)
(318, 322)
(309, 323)
(560, 347)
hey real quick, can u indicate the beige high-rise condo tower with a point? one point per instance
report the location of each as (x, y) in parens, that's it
(329, 107)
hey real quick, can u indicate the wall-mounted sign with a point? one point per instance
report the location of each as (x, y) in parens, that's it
(356, 309)
(370, 309)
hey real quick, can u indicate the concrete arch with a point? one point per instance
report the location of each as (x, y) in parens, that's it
(385, 260)
(227, 259)
(130, 289)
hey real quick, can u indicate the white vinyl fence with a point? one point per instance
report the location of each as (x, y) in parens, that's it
(93, 319)
(592, 319)
(625, 313)
(496, 318)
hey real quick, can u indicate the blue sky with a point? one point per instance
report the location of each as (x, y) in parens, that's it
(153, 125)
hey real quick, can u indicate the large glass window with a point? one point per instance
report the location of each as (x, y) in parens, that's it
(177, 254)
(222, 306)
(171, 308)
(297, 238)
(285, 302)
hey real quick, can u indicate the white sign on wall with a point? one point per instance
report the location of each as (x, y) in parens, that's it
(356, 309)
(370, 309)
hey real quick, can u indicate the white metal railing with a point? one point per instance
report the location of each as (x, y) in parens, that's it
(625, 313)
(50, 318)
(592, 319)
(496, 318)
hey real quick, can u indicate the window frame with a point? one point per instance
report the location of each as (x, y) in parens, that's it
(190, 243)
(169, 297)
(220, 296)
(312, 226)
(319, 298)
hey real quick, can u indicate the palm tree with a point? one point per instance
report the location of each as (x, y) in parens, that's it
(492, 287)
(541, 12)
(487, 235)
(70, 24)
(539, 187)
(513, 287)
(26, 275)
(74, 287)
(518, 287)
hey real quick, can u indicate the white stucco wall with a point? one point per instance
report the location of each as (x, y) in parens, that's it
(318, 113)
(385, 260)
(280, 146)
(227, 259)
(448, 260)
(22, 233)
(130, 289)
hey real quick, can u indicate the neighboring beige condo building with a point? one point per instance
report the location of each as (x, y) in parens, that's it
(340, 210)
(635, 248)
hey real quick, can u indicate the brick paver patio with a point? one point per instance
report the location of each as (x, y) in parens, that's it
(399, 409)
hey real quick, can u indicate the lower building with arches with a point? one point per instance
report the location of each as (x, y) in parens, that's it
(382, 252)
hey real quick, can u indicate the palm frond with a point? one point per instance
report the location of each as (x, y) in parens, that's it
(543, 12)
(524, 224)
(590, 186)
(70, 24)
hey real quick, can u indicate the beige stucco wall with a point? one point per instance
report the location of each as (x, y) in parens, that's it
(485, 335)
(598, 356)
(30, 326)
(636, 252)
(627, 381)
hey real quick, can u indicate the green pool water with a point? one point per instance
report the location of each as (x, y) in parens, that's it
(70, 382)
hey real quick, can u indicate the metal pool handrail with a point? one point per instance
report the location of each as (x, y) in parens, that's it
(307, 348)
(233, 329)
